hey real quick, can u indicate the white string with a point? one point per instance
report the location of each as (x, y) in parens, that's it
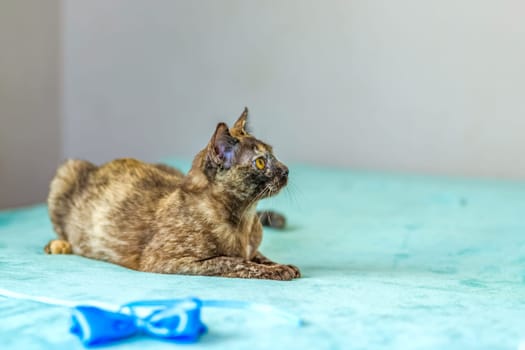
(261, 308)
(52, 301)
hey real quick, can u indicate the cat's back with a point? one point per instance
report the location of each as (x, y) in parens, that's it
(131, 181)
(108, 212)
(81, 192)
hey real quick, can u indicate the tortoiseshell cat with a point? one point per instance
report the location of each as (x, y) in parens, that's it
(153, 218)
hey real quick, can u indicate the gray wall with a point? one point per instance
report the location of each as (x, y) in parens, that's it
(407, 85)
(30, 135)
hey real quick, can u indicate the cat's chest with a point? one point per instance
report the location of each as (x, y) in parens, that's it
(229, 235)
(241, 241)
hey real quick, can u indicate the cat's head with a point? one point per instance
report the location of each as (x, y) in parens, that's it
(242, 164)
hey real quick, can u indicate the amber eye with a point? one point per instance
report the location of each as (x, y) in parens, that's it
(260, 163)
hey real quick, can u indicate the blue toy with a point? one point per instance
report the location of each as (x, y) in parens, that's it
(177, 320)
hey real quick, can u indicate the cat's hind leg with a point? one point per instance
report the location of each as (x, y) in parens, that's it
(58, 246)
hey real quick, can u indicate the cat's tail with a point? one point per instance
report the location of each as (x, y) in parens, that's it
(70, 178)
(272, 219)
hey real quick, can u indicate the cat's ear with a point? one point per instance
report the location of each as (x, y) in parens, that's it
(239, 128)
(222, 147)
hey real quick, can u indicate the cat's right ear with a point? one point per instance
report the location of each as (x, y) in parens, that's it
(240, 125)
(222, 147)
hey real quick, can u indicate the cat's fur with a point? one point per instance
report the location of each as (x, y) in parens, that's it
(153, 218)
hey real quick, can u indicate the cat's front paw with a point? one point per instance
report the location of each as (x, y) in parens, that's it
(297, 272)
(283, 272)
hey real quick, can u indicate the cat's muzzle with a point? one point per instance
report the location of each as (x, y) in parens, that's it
(280, 180)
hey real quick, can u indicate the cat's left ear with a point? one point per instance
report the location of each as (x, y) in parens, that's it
(222, 147)
(239, 128)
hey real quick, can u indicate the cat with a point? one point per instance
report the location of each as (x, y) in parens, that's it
(153, 218)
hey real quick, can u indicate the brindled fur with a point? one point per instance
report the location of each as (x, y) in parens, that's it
(153, 218)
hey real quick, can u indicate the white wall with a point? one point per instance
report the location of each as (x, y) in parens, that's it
(30, 136)
(407, 85)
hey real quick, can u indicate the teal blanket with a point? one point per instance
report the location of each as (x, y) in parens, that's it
(388, 262)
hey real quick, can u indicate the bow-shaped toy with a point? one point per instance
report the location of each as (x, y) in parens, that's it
(177, 320)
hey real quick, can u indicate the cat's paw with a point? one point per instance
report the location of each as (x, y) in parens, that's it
(297, 272)
(58, 246)
(283, 272)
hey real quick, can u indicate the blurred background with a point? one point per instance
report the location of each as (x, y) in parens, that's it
(432, 87)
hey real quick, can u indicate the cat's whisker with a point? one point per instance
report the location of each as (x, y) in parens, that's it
(270, 220)
(291, 195)
(293, 186)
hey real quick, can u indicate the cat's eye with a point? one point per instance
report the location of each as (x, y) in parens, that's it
(260, 163)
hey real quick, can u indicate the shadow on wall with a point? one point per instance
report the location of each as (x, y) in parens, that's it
(30, 131)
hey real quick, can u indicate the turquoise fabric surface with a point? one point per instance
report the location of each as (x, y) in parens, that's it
(389, 262)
